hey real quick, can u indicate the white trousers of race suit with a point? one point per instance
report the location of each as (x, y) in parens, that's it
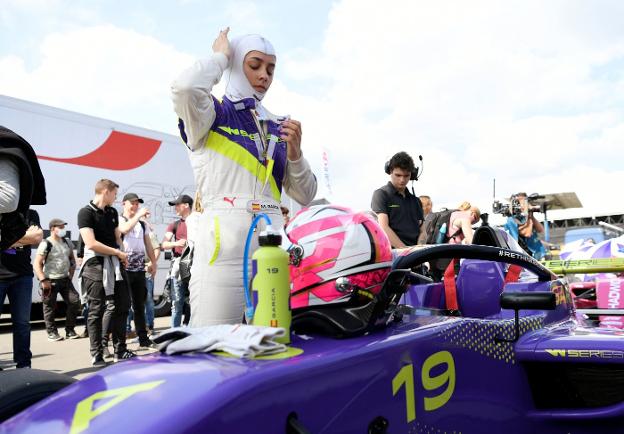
(218, 235)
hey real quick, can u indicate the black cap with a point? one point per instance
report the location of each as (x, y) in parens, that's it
(132, 196)
(56, 222)
(183, 198)
(269, 239)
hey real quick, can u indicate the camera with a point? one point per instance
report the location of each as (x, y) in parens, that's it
(514, 208)
(534, 204)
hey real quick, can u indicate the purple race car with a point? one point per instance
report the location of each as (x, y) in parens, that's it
(509, 357)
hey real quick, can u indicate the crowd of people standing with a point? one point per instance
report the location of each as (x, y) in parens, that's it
(116, 258)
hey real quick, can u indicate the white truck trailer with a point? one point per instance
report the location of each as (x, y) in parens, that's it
(76, 150)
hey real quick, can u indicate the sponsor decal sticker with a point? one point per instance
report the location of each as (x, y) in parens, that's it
(586, 354)
(520, 256)
(100, 402)
(255, 206)
(610, 295)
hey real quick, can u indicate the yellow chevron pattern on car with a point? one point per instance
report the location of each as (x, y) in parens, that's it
(480, 335)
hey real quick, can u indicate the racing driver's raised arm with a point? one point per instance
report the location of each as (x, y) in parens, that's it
(191, 96)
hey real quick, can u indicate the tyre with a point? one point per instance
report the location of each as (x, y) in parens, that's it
(162, 306)
(21, 388)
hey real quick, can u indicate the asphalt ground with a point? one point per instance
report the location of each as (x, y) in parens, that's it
(69, 356)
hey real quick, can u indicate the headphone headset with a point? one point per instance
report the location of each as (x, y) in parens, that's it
(413, 171)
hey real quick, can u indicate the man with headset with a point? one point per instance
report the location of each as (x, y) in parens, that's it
(400, 213)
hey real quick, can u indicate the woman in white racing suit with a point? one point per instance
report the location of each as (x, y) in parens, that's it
(242, 156)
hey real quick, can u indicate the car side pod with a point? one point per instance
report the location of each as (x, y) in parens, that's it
(538, 300)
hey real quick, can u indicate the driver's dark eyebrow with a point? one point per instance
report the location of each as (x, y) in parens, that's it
(261, 60)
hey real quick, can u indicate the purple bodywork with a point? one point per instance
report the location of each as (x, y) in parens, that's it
(429, 373)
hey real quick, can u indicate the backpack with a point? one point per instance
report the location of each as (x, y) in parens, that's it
(433, 224)
(48, 248)
(186, 262)
(175, 228)
(186, 259)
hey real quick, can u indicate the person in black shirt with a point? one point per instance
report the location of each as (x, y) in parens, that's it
(101, 272)
(16, 282)
(399, 212)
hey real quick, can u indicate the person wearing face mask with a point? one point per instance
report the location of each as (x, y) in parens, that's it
(54, 266)
(242, 156)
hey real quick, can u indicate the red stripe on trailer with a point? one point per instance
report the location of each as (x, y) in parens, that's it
(120, 151)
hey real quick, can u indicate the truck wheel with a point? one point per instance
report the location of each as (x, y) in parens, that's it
(162, 307)
(21, 388)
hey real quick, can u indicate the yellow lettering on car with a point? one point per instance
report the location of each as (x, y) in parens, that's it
(445, 378)
(406, 376)
(587, 354)
(85, 412)
(555, 353)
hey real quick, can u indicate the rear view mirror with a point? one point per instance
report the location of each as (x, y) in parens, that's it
(539, 300)
(528, 300)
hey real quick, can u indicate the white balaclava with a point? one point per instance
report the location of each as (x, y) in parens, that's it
(238, 86)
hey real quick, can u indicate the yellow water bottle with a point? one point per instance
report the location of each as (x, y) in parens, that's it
(271, 284)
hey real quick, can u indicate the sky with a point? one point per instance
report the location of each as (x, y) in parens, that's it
(529, 93)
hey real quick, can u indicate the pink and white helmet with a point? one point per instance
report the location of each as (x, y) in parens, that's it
(345, 257)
